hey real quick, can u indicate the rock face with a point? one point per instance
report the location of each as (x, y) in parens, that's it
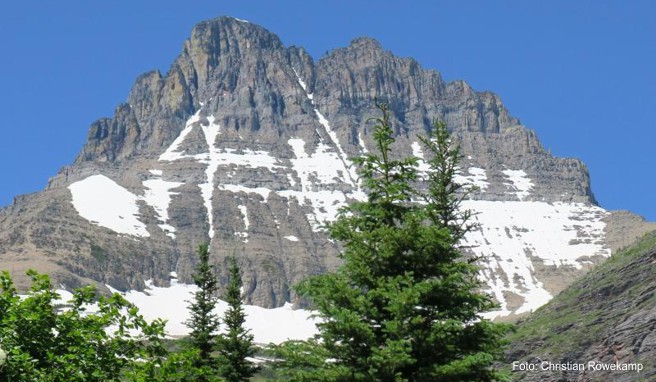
(246, 143)
(607, 317)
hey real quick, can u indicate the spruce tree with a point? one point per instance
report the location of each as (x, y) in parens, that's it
(405, 304)
(204, 324)
(236, 344)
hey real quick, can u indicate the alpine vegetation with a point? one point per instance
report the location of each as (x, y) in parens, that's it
(405, 305)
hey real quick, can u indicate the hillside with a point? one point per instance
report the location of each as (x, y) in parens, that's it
(607, 316)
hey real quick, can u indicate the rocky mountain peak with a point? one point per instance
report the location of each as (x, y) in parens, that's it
(220, 65)
(225, 41)
(225, 33)
(363, 51)
(247, 144)
(365, 43)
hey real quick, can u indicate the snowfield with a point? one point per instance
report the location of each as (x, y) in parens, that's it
(103, 202)
(513, 236)
(267, 325)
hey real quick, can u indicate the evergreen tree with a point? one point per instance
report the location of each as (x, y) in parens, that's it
(405, 304)
(236, 344)
(204, 324)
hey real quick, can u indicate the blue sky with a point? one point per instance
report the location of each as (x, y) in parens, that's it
(580, 73)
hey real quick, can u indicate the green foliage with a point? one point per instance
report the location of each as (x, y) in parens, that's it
(204, 324)
(179, 366)
(405, 304)
(301, 361)
(236, 345)
(45, 342)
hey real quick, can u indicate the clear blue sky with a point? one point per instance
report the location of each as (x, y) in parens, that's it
(580, 73)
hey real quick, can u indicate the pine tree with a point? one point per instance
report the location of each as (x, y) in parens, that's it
(204, 324)
(405, 304)
(236, 345)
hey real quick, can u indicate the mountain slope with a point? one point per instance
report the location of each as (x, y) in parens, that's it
(246, 143)
(608, 316)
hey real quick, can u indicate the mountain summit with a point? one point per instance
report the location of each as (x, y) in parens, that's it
(246, 144)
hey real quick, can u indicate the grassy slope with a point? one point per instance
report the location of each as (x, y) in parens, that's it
(586, 313)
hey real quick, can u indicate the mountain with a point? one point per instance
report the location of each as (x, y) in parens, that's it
(606, 317)
(246, 143)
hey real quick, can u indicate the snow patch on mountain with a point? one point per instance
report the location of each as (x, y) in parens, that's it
(267, 325)
(348, 167)
(301, 82)
(362, 144)
(211, 158)
(475, 177)
(317, 167)
(514, 237)
(422, 166)
(247, 158)
(519, 183)
(317, 170)
(215, 158)
(244, 214)
(103, 202)
(173, 152)
(158, 195)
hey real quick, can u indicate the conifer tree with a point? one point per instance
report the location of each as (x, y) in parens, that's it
(405, 304)
(236, 344)
(204, 324)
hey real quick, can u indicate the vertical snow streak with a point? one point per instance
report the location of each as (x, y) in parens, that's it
(158, 195)
(361, 142)
(213, 160)
(348, 167)
(244, 215)
(173, 153)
